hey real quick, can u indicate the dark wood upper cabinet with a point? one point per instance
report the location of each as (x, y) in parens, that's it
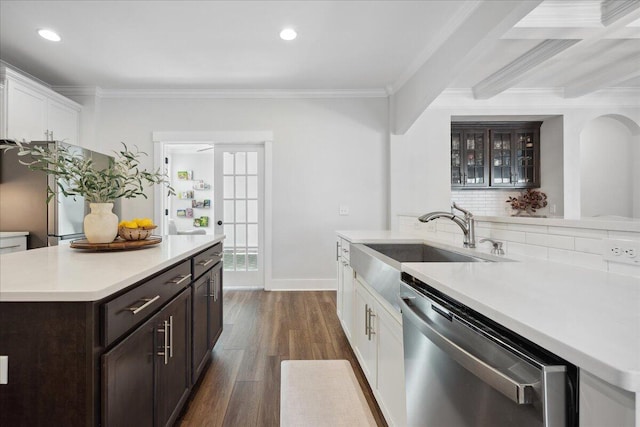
(495, 155)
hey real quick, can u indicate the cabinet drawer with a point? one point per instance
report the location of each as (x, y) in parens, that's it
(130, 309)
(206, 259)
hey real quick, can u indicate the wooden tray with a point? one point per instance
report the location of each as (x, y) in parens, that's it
(117, 245)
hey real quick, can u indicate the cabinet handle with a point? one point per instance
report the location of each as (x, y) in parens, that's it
(148, 302)
(207, 262)
(165, 352)
(180, 279)
(170, 336)
(371, 332)
(345, 263)
(344, 250)
(337, 251)
(218, 254)
(215, 288)
(366, 319)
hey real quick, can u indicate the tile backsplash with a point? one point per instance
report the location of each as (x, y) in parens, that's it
(570, 245)
(485, 202)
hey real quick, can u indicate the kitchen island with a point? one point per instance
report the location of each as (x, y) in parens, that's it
(80, 329)
(589, 318)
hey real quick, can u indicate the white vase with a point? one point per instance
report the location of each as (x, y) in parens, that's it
(101, 225)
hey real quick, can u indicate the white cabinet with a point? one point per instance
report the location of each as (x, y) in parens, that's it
(34, 112)
(379, 349)
(374, 329)
(347, 292)
(13, 242)
(391, 385)
(365, 335)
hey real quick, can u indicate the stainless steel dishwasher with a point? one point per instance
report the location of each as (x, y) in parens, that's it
(462, 369)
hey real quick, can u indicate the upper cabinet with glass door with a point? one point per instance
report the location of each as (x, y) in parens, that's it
(469, 157)
(512, 154)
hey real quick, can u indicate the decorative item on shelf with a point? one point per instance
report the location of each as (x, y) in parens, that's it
(185, 195)
(136, 229)
(528, 202)
(181, 212)
(200, 185)
(201, 204)
(78, 175)
(189, 213)
(203, 221)
(185, 175)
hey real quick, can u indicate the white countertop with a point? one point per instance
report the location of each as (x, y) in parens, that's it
(61, 273)
(590, 318)
(7, 234)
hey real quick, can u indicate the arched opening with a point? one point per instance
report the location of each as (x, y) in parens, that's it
(610, 168)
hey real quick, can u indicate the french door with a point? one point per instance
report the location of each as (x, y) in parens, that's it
(239, 211)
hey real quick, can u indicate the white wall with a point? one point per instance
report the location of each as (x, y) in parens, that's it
(326, 153)
(551, 164)
(606, 158)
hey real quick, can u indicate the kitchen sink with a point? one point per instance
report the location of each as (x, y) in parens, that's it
(420, 253)
(379, 264)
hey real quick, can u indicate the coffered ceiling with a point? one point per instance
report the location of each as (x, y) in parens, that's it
(368, 46)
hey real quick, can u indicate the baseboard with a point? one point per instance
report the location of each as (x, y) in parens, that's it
(302, 285)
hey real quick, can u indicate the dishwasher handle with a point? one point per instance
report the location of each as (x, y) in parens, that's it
(515, 390)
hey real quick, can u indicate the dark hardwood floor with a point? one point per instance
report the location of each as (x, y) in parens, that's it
(241, 386)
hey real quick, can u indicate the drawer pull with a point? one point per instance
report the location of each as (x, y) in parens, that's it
(9, 247)
(180, 279)
(207, 262)
(147, 303)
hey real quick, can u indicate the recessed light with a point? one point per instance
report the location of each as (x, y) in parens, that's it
(49, 35)
(288, 34)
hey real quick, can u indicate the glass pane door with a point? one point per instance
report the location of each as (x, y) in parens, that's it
(501, 149)
(239, 200)
(525, 157)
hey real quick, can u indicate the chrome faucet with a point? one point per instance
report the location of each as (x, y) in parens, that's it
(467, 224)
(497, 246)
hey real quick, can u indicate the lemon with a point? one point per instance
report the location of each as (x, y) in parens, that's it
(130, 224)
(144, 222)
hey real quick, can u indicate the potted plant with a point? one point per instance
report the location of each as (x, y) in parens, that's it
(78, 175)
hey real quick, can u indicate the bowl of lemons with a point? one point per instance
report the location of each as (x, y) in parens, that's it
(136, 229)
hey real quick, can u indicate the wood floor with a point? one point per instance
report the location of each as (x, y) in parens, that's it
(241, 386)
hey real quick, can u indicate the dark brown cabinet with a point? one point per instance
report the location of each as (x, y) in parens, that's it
(127, 375)
(173, 373)
(215, 305)
(495, 155)
(207, 307)
(146, 377)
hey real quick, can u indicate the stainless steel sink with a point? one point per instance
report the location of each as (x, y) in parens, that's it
(420, 253)
(379, 264)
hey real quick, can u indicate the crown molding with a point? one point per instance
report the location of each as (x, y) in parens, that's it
(79, 90)
(612, 10)
(234, 93)
(515, 71)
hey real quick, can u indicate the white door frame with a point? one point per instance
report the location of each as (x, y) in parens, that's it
(160, 139)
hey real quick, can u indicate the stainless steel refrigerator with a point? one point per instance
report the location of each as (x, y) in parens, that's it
(23, 201)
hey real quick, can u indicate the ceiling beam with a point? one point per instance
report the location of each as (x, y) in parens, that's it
(607, 76)
(518, 69)
(612, 10)
(488, 21)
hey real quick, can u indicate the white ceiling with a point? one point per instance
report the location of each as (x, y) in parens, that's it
(341, 45)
